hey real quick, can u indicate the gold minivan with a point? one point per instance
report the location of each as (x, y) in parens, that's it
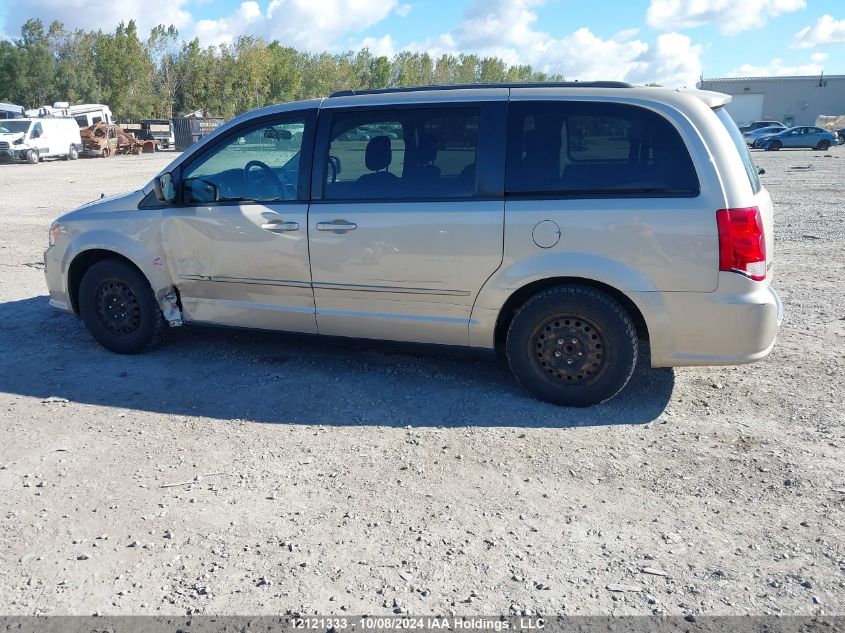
(561, 223)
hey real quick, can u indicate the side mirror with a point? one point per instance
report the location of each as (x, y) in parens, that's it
(164, 189)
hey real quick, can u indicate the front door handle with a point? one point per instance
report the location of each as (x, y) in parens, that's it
(280, 226)
(338, 226)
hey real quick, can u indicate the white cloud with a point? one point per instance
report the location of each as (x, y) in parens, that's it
(377, 46)
(311, 25)
(506, 29)
(731, 16)
(105, 14)
(403, 10)
(825, 31)
(819, 57)
(225, 29)
(775, 68)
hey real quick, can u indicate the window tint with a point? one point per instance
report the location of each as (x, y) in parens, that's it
(259, 164)
(402, 154)
(741, 147)
(578, 148)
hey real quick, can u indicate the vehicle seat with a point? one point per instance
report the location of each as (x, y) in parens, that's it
(540, 166)
(377, 158)
(426, 174)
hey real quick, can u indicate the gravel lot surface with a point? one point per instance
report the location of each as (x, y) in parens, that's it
(263, 473)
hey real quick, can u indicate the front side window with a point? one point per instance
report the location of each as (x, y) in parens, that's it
(255, 164)
(425, 153)
(587, 148)
(37, 131)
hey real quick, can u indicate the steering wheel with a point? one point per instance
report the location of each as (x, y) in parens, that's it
(268, 177)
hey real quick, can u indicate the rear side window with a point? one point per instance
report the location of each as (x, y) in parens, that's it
(595, 149)
(403, 154)
(741, 147)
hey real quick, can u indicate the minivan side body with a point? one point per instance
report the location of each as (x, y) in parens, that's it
(447, 215)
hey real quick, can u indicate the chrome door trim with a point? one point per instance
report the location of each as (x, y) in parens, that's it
(248, 280)
(397, 289)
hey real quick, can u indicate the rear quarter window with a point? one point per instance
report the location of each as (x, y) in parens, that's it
(741, 147)
(585, 149)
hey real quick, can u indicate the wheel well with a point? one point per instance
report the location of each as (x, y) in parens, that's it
(526, 292)
(81, 263)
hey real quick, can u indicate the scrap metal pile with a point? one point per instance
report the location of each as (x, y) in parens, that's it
(106, 139)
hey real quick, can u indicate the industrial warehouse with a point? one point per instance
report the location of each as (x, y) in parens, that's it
(791, 100)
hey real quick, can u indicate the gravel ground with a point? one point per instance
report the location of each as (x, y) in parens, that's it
(262, 473)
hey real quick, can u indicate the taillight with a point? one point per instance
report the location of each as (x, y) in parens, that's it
(742, 244)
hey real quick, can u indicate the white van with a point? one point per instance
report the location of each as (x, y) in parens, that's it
(33, 140)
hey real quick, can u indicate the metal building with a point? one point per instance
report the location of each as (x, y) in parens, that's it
(790, 100)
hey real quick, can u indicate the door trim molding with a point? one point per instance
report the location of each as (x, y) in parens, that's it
(398, 289)
(248, 280)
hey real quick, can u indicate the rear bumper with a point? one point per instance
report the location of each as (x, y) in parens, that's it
(718, 328)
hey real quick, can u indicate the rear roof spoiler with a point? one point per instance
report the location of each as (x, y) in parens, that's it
(712, 99)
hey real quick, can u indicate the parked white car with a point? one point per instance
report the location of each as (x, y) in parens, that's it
(34, 140)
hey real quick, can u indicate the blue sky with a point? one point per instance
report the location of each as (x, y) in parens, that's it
(667, 41)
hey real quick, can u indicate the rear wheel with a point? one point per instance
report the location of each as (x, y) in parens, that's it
(572, 345)
(32, 157)
(823, 145)
(119, 308)
(72, 153)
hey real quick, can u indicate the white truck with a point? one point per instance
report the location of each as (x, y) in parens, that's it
(85, 114)
(33, 140)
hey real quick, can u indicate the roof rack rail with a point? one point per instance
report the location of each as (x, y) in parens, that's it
(527, 84)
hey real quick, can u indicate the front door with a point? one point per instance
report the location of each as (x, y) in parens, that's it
(404, 229)
(237, 246)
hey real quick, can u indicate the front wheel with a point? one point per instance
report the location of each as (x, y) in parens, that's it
(119, 308)
(32, 157)
(774, 146)
(572, 345)
(72, 153)
(823, 146)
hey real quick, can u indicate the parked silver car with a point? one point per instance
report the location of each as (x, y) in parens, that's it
(558, 222)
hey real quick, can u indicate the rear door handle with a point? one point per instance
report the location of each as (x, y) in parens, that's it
(280, 226)
(338, 226)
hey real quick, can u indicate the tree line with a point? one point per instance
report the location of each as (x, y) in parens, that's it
(164, 76)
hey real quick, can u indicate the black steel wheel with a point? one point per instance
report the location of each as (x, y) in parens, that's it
(570, 348)
(572, 345)
(119, 308)
(823, 146)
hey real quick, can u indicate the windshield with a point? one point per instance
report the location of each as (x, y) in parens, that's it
(741, 147)
(14, 127)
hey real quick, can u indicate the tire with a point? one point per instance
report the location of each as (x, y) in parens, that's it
(72, 153)
(572, 345)
(774, 146)
(119, 308)
(823, 146)
(32, 157)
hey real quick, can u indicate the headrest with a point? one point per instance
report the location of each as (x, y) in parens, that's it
(534, 141)
(427, 151)
(379, 154)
